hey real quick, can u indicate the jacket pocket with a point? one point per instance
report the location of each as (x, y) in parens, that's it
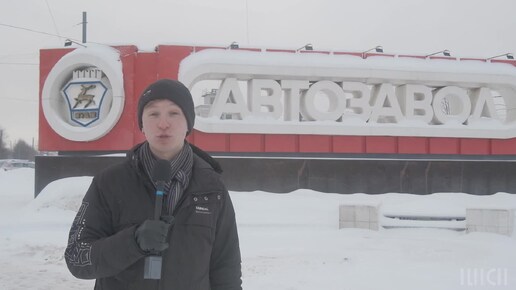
(200, 210)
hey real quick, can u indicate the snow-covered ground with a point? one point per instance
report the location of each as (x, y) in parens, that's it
(288, 241)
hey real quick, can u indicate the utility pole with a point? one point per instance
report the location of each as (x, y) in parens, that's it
(84, 22)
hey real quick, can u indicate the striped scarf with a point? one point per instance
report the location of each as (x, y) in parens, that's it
(181, 171)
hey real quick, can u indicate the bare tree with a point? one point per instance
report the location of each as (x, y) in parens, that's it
(4, 151)
(22, 150)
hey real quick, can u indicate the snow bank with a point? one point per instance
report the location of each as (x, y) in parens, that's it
(288, 241)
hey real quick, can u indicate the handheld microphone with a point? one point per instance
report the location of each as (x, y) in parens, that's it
(160, 175)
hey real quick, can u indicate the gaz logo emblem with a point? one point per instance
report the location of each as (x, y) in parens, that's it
(84, 95)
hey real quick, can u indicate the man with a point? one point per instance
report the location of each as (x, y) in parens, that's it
(114, 231)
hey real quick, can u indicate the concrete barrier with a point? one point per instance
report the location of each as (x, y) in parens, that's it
(334, 173)
(358, 216)
(494, 220)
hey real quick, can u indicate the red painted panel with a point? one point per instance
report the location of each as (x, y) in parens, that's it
(314, 51)
(349, 144)
(145, 73)
(477, 59)
(281, 50)
(169, 58)
(212, 142)
(247, 49)
(138, 136)
(281, 143)
(315, 144)
(347, 53)
(146, 67)
(505, 146)
(381, 144)
(475, 146)
(442, 57)
(377, 54)
(412, 145)
(200, 48)
(444, 146)
(47, 60)
(508, 61)
(246, 143)
(123, 132)
(411, 56)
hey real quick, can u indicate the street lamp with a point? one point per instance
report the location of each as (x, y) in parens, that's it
(233, 45)
(377, 48)
(507, 55)
(444, 52)
(307, 46)
(69, 42)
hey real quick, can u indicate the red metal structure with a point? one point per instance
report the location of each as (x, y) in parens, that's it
(142, 68)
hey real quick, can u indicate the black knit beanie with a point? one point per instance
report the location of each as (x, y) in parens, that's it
(169, 90)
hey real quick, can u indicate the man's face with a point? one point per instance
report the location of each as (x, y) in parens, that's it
(164, 127)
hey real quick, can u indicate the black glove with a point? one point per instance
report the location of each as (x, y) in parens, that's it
(151, 235)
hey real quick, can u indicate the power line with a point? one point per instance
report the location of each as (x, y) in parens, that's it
(28, 29)
(17, 99)
(46, 33)
(19, 55)
(18, 63)
(53, 20)
(34, 31)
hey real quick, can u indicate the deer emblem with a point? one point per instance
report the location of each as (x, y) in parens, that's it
(84, 97)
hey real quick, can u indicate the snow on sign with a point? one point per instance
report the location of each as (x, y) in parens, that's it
(329, 94)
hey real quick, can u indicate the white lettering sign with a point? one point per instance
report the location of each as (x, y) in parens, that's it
(288, 93)
(385, 103)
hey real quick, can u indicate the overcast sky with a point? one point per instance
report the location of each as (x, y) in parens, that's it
(468, 28)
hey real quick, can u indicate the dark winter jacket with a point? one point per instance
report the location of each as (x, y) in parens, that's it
(204, 250)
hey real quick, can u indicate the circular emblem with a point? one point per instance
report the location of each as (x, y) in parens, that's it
(83, 95)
